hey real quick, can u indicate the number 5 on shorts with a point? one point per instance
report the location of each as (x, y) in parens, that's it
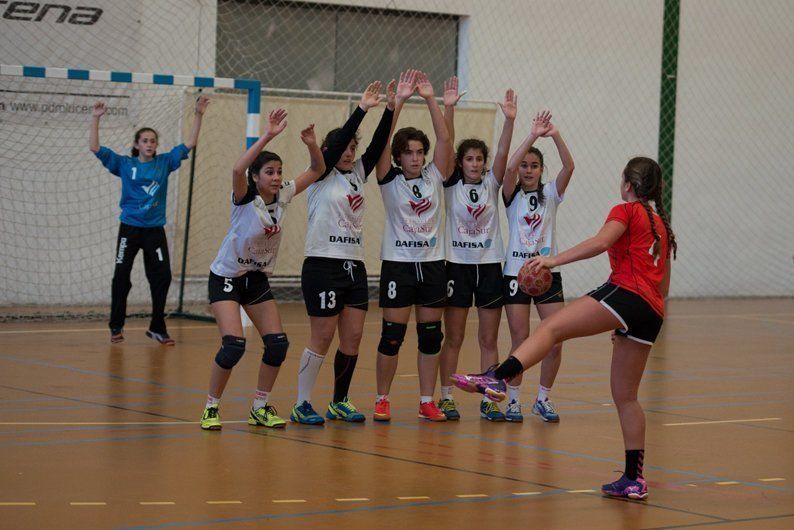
(227, 285)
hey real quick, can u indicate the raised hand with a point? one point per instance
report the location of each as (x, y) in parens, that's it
(276, 123)
(307, 135)
(423, 86)
(371, 96)
(99, 109)
(391, 95)
(201, 104)
(552, 129)
(510, 105)
(541, 123)
(407, 84)
(451, 95)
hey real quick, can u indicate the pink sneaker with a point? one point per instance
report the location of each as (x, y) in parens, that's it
(484, 383)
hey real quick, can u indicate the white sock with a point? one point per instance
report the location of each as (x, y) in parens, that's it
(513, 393)
(212, 401)
(310, 364)
(382, 396)
(260, 399)
(543, 393)
(446, 392)
(425, 399)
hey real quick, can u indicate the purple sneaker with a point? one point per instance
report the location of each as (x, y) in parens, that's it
(484, 383)
(625, 487)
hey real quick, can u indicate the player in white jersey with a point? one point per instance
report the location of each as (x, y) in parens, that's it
(333, 278)
(238, 276)
(412, 250)
(531, 216)
(474, 253)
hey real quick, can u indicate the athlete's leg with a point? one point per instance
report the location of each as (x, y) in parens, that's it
(158, 271)
(518, 323)
(351, 329)
(427, 362)
(454, 332)
(386, 364)
(487, 333)
(127, 246)
(267, 321)
(628, 364)
(227, 315)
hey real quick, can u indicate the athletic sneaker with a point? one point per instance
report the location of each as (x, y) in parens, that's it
(450, 409)
(490, 411)
(162, 338)
(545, 409)
(429, 411)
(305, 414)
(513, 412)
(382, 410)
(484, 383)
(116, 335)
(344, 410)
(211, 419)
(265, 416)
(625, 487)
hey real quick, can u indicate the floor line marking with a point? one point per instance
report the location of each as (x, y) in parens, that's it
(525, 493)
(67, 330)
(110, 423)
(88, 504)
(772, 479)
(417, 498)
(718, 421)
(157, 503)
(288, 501)
(472, 496)
(224, 502)
(581, 491)
(17, 504)
(727, 483)
(353, 499)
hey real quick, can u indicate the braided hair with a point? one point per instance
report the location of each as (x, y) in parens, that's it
(645, 177)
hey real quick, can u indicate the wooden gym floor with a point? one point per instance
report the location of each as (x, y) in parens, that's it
(101, 436)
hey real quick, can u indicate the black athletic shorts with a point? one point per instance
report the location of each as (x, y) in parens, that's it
(331, 284)
(404, 284)
(638, 319)
(482, 282)
(249, 289)
(514, 295)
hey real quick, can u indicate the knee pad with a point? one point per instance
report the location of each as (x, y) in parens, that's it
(391, 338)
(232, 350)
(276, 345)
(429, 337)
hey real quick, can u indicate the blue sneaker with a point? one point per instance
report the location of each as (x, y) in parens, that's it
(625, 487)
(490, 411)
(450, 409)
(484, 383)
(344, 410)
(513, 412)
(305, 414)
(545, 409)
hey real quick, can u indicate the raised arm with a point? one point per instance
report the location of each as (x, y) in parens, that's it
(539, 126)
(396, 96)
(380, 139)
(605, 238)
(276, 122)
(93, 132)
(337, 145)
(564, 176)
(509, 108)
(201, 107)
(451, 98)
(316, 163)
(442, 153)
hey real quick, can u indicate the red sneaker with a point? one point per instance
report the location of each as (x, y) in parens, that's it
(430, 411)
(382, 410)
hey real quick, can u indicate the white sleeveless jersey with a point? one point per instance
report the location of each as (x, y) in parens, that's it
(473, 233)
(254, 235)
(532, 226)
(412, 231)
(336, 215)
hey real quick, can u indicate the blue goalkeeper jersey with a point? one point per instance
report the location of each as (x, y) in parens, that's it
(144, 185)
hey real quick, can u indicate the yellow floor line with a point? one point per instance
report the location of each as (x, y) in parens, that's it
(581, 491)
(727, 483)
(224, 502)
(157, 503)
(17, 504)
(471, 495)
(353, 499)
(524, 493)
(288, 501)
(109, 423)
(418, 498)
(773, 479)
(719, 421)
(88, 504)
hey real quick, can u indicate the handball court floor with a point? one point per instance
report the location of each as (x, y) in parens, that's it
(95, 435)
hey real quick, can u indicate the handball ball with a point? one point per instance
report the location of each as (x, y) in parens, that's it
(534, 284)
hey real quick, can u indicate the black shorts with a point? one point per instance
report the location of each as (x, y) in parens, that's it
(405, 284)
(249, 289)
(331, 284)
(514, 295)
(483, 282)
(640, 322)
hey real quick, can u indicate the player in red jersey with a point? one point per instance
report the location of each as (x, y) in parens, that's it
(638, 241)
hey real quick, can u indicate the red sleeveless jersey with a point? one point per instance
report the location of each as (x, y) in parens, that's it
(631, 257)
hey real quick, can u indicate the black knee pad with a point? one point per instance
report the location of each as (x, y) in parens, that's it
(391, 338)
(276, 345)
(429, 337)
(232, 350)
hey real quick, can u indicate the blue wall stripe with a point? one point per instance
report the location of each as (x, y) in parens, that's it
(34, 71)
(121, 77)
(77, 74)
(161, 79)
(204, 82)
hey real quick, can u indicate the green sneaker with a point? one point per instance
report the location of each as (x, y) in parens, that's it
(450, 409)
(211, 420)
(490, 411)
(344, 410)
(305, 414)
(265, 416)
